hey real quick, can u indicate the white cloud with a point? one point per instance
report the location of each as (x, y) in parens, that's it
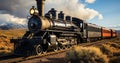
(116, 27)
(73, 8)
(100, 17)
(90, 1)
(7, 18)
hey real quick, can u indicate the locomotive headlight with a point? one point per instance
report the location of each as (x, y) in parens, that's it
(33, 11)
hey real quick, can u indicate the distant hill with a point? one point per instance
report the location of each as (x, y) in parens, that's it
(8, 26)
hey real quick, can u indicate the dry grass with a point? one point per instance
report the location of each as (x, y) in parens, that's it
(86, 55)
(5, 36)
(96, 53)
(112, 50)
(12, 33)
(115, 45)
(107, 49)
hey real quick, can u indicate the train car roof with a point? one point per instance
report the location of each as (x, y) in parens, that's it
(94, 25)
(106, 28)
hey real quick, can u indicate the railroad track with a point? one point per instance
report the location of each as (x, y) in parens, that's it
(10, 59)
(15, 59)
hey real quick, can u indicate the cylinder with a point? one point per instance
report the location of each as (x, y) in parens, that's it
(40, 6)
(61, 16)
(68, 18)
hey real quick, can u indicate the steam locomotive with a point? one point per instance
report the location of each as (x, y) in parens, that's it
(49, 33)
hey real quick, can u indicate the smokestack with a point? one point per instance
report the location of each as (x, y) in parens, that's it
(40, 6)
(61, 16)
(68, 18)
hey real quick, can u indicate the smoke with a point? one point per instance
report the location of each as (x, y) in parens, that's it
(74, 8)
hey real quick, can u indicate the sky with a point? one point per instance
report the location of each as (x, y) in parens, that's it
(110, 9)
(101, 12)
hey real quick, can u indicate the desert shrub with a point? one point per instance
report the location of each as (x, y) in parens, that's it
(110, 49)
(86, 55)
(118, 40)
(5, 48)
(115, 45)
(2, 48)
(115, 59)
(106, 49)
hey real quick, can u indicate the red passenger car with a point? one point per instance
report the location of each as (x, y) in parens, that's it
(106, 33)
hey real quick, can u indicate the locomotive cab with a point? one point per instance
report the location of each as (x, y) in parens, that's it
(79, 23)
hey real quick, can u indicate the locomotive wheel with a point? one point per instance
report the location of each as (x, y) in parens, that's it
(60, 48)
(68, 46)
(38, 50)
(63, 47)
(56, 49)
(44, 52)
(88, 40)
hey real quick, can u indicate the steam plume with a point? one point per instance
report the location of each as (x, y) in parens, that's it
(74, 8)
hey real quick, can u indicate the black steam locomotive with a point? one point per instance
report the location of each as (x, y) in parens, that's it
(49, 33)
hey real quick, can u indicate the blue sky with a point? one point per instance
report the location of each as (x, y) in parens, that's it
(110, 9)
